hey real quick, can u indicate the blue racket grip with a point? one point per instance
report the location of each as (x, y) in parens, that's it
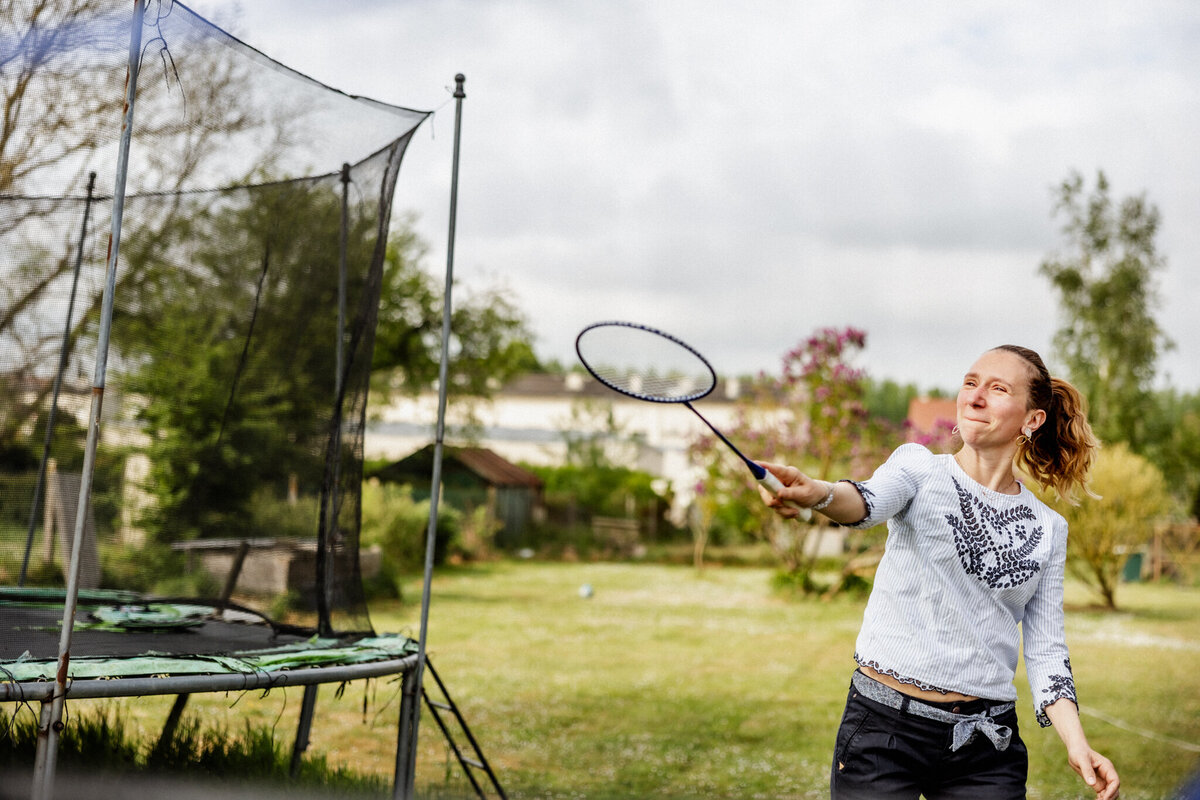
(773, 485)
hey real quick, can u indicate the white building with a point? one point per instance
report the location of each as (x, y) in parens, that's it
(530, 421)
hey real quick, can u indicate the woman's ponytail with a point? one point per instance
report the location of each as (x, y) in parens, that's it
(1059, 454)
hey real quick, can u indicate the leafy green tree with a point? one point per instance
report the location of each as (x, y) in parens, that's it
(392, 519)
(490, 338)
(1109, 340)
(236, 353)
(1173, 443)
(889, 400)
(237, 346)
(607, 490)
(1105, 529)
(594, 437)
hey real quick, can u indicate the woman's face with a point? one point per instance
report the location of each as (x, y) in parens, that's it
(993, 402)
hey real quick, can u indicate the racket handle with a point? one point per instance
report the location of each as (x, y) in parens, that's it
(774, 486)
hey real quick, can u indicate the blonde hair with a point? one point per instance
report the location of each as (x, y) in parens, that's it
(1059, 455)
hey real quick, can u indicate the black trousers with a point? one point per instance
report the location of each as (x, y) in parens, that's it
(885, 754)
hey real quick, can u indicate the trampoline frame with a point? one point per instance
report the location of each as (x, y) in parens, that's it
(44, 692)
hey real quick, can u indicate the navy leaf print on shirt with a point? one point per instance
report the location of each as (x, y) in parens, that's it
(1062, 685)
(994, 545)
(867, 495)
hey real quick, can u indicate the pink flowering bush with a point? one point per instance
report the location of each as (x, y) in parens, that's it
(813, 416)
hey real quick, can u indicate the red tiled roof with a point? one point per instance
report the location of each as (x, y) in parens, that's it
(924, 413)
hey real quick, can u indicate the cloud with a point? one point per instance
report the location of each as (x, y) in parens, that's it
(742, 173)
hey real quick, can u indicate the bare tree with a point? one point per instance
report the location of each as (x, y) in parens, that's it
(63, 67)
(57, 98)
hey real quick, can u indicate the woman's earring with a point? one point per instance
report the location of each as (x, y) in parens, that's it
(1028, 433)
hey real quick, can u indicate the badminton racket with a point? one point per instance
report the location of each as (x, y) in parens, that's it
(648, 364)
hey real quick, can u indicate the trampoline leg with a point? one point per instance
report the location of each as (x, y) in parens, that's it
(172, 723)
(307, 706)
(239, 559)
(410, 705)
(44, 761)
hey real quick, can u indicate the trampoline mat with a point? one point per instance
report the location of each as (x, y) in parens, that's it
(120, 635)
(36, 630)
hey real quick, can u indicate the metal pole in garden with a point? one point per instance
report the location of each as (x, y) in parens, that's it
(51, 724)
(410, 727)
(64, 354)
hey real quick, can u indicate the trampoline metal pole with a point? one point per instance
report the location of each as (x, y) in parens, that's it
(343, 245)
(328, 542)
(47, 745)
(64, 354)
(334, 532)
(409, 728)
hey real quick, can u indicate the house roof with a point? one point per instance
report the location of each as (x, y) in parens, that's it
(488, 465)
(494, 468)
(927, 414)
(581, 384)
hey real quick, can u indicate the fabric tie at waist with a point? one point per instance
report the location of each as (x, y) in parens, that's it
(966, 726)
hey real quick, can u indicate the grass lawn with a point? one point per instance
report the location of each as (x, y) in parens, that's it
(676, 684)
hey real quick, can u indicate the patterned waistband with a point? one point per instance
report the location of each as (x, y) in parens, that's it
(966, 726)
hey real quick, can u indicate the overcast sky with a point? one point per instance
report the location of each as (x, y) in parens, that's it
(741, 173)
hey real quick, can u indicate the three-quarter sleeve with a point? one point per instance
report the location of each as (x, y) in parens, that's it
(895, 482)
(1047, 662)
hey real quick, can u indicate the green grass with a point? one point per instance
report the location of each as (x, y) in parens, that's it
(100, 745)
(672, 684)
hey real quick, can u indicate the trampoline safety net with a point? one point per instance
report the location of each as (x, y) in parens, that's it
(229, 459)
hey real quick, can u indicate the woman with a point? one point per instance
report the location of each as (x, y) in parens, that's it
(971, 554)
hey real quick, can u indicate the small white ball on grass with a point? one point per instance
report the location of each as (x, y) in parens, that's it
(586, 591)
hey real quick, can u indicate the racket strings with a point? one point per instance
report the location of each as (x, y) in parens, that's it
(668, 388)
(644, 363)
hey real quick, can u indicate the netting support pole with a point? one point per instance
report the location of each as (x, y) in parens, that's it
(343, 245)
(49, 729)
(413, 703)
(328, 542)
(63, 356)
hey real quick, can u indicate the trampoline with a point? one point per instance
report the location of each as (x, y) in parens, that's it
(123, 635)
(224, 299)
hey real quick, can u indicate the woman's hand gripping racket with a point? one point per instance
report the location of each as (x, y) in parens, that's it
(647, 364)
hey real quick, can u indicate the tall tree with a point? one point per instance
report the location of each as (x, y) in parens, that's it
(62, 68)
(1109, 339)
(56, 105)
(490, 337)
(234, 350)
(1173, 444)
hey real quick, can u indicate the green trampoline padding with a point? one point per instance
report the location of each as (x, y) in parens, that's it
(314, 652)
(54, 596)
(153, 616)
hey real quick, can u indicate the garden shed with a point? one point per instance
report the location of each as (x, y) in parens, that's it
(473, 477)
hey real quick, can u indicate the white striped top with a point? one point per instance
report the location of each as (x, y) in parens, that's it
(963, 568)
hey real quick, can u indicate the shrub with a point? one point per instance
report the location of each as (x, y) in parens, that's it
(275, 516)
(154, 568)
(399, 525)
(1132, 497)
